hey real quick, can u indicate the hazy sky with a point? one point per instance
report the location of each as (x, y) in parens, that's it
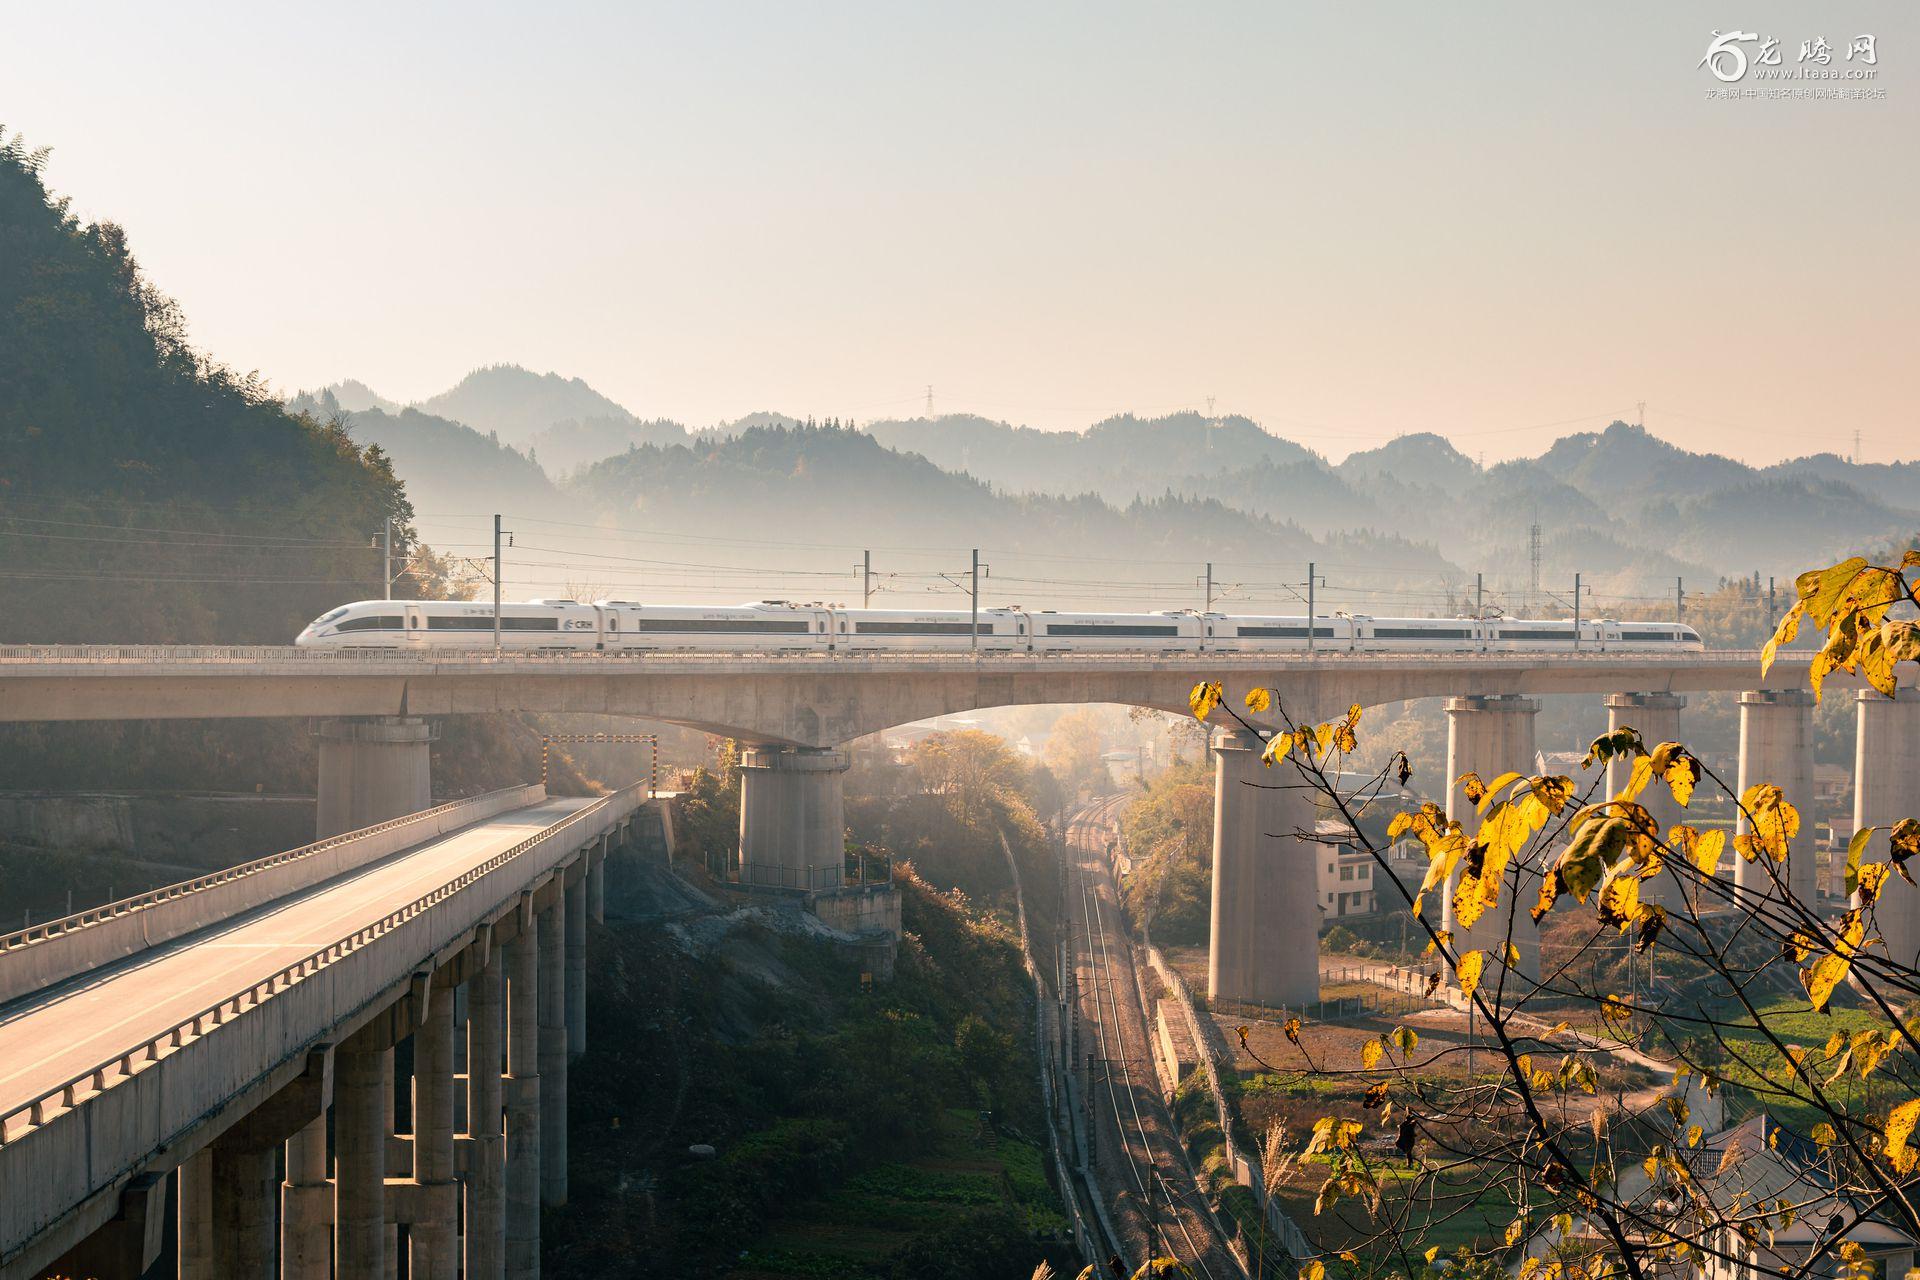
(1500, 222)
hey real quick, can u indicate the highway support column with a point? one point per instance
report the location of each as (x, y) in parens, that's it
(597, 880)
(1776, 746)
(1266, 913)
(246, 1185)
(1886, 788)
(372, 770)
(553, 1044)
(306, 1206)
(360, 1128)
(523, 1097)
(1490, 735)
(486, 1152)
(793, 827)
(1657, 717)
(193, 1192)
(433, 1235)
(576, 877)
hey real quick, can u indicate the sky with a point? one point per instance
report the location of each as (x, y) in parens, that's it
(1502, 223)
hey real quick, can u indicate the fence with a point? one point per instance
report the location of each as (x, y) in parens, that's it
(1246, 1172)
(44, 953)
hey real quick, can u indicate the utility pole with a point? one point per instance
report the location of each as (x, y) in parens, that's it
(1770, 613)
(1209, 586)
(386, 557)
(496, 584)
(1679, 599)
(973, 637)
(866, 579)
(1479, 610)
(1310, 613)
(1576, 611)
(1533, 565)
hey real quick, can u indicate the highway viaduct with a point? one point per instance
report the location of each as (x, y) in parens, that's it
(796, 713)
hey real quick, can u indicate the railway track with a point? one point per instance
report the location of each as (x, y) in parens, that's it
(1170, 1212)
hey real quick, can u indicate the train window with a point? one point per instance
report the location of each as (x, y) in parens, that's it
(1419, 633)
(382, 622)
(484, 622)
(1285, 633)
(1108, 629)
(785, 626)
(914, 628)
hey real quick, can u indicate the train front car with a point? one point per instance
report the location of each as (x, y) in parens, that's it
(363, 624)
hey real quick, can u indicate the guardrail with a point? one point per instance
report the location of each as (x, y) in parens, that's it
(96, 1080)
(217, 655)
(42, 954)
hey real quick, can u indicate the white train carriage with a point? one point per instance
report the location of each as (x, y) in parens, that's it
(628, 627)
(1229, 634)
(1116, 632)
(857, 630)
(1442, 635)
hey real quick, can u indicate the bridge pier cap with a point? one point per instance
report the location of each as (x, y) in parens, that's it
(793, 828)
(372, 770)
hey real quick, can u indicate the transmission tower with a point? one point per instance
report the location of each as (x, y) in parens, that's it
(1856, 446)
(1641, 412)
(929, 401)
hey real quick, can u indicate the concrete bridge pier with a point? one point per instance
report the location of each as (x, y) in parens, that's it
(1657, 717)
(246, 1184)
(1886, 788)
(553, 1043)
(1490, 735)
(193, 1190)
(432, 1235)
(597, 880)
(793, 827)
(306, 1207)
(523, 1097)
(360, 1128)
(486, 1152)
(1266, 913)
(1776, 745)
(372, 770)
(576, 908)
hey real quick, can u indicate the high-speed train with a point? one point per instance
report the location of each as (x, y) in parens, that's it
(624, 626)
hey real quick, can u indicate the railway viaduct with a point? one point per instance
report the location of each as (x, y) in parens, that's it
(470, 939)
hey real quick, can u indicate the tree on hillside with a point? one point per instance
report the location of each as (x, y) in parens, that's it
(1073, 751)
(967, 767)
(1763, 1001)
(152, 494)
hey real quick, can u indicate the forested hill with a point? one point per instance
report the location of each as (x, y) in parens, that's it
(808, 486)
(148, 494)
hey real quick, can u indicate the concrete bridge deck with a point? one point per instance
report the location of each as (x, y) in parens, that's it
(224, 1040)
(51, 1036)
(804, 700)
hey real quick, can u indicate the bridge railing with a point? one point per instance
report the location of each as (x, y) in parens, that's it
(84, 1086)
(42, 954)
(242, 655)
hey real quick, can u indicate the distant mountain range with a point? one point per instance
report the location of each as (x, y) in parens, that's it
(1630, 511)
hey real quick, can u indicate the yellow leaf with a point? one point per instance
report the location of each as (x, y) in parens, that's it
(1471, 787)
(1433, 1251)
(1694, 1134)
(1619, 901)
(1259, 700)
(1404, 1039)
(1515, 1230)
(1900, 1124)
(1637, 780)
(1205, 697)
(1277, 748)
(1873, 878)
(1821, 977)
(1469, 971)
(1494, 788)
(1706, 854)
(1370, 1054)
(1313, 1270)
(1822, 590)
(1513, 956)
(1785, 633)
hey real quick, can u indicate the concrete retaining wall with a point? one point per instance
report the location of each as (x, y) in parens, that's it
(208, 831)
(108, 1136)
(859, 909)
(46, 954)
